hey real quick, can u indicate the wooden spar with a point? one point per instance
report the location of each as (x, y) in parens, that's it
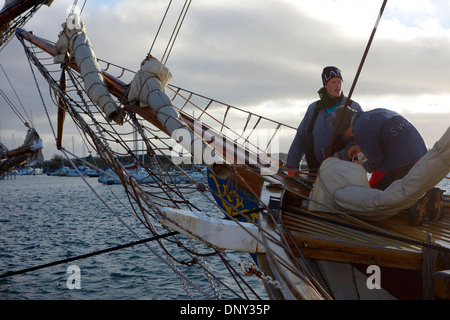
(251, 178)
(43, 44)
(18, 151)
(61, 111)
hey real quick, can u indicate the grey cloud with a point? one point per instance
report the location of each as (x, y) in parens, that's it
(242, 56)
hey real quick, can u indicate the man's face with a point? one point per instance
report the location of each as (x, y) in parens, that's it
(334, 87)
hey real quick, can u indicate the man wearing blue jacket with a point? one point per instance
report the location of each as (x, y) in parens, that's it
(391, 145)
(315, 132)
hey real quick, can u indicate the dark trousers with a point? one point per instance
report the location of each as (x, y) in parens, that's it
(391, 176)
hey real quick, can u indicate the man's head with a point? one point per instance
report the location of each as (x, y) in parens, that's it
(346, 125)
(332, 81)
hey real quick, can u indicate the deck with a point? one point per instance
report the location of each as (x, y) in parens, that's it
(343, 238)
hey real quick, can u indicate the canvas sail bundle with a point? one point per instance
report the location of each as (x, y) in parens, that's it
(74, 43)
(342, 185)
(147, 89)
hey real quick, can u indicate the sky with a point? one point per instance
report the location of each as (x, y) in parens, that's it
(263, 55)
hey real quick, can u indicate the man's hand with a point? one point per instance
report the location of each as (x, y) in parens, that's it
(353, 152)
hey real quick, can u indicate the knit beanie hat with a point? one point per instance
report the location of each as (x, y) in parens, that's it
(346, 121)
(330, 72)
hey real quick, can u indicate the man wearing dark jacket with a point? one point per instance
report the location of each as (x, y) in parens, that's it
(391, 145)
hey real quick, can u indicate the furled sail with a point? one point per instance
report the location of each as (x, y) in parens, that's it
(147, 90)
(73, 43)
(342, 185)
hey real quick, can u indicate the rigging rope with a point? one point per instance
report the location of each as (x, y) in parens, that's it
(175, 30)
(76, 116)
(21, 117)
(84, 256)
(175, 34)
(159, 28)
(18, 22)
(74, 6)
(429, 245)
(133, 191)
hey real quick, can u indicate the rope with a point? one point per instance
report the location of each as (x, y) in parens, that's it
(429, 268)
(13, 108)
(373, 232)
(176, 31)
(88, 255)
(17, 23)
(159, 28)
(148, 208)
(22, 118)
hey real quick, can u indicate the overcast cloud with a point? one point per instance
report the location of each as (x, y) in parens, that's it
(259, 54)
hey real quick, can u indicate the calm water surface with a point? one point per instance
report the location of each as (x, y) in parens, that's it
(45, 219)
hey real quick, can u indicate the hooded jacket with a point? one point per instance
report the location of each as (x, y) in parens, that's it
(387, 139)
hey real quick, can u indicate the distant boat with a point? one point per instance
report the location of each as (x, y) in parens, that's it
(80, 171)
(140, 174)
(180, 177)
(107, 176)
(61, 172)
(29, 171)
(143, 176)
(92, 173)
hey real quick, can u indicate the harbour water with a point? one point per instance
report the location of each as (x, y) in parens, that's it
(44, 219)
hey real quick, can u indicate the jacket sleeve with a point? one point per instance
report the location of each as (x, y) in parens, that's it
(297, 149)
(343, 153)
(355, 105)
(374, 162)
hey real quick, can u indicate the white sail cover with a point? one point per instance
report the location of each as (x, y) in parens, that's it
(74, 43)
(342, 186)
(147, 89)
